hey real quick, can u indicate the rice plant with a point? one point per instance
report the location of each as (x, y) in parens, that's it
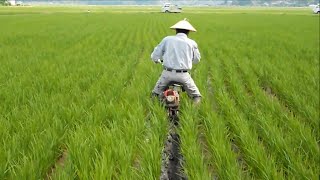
(75, 93)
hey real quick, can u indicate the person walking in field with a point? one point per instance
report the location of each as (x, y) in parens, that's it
(178, 54)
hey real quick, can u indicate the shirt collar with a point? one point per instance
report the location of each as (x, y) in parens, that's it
(181, 35)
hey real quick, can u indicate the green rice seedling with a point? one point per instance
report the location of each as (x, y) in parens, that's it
(194, 165)
(245, 139)
(75, 88)
(305, 139)
(273, 137)
(223, 159)
(213, 133)
(302, 104)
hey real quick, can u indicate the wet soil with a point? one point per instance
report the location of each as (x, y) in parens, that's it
(172, 159)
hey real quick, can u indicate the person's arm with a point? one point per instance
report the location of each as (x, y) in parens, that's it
(158, 52)
(196, 54)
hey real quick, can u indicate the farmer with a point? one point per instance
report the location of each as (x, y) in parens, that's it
(178, 53)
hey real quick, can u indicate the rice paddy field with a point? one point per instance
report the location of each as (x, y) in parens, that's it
(75, 93)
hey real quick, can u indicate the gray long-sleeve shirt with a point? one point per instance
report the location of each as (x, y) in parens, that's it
(177, 52)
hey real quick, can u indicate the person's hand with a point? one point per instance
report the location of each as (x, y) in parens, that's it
(157, 61)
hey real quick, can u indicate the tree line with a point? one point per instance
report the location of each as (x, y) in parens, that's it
(191, 2)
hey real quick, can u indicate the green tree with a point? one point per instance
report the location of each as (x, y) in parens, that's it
(245, 2)
(2, 2)
(242, 2)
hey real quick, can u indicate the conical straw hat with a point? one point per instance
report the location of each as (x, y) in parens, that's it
(184, 24)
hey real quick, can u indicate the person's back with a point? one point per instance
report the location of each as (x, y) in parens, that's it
(178, 53)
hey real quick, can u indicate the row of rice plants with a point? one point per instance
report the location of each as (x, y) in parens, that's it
(64, 94)
(134, 137)
(209, 133)
(305, 140)
(300, 98)
(301, 137)
(288, 57)
(33, 98)
(207, 137)
(195, 164)
(81, 105)
(253, 152)
(280, 145)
